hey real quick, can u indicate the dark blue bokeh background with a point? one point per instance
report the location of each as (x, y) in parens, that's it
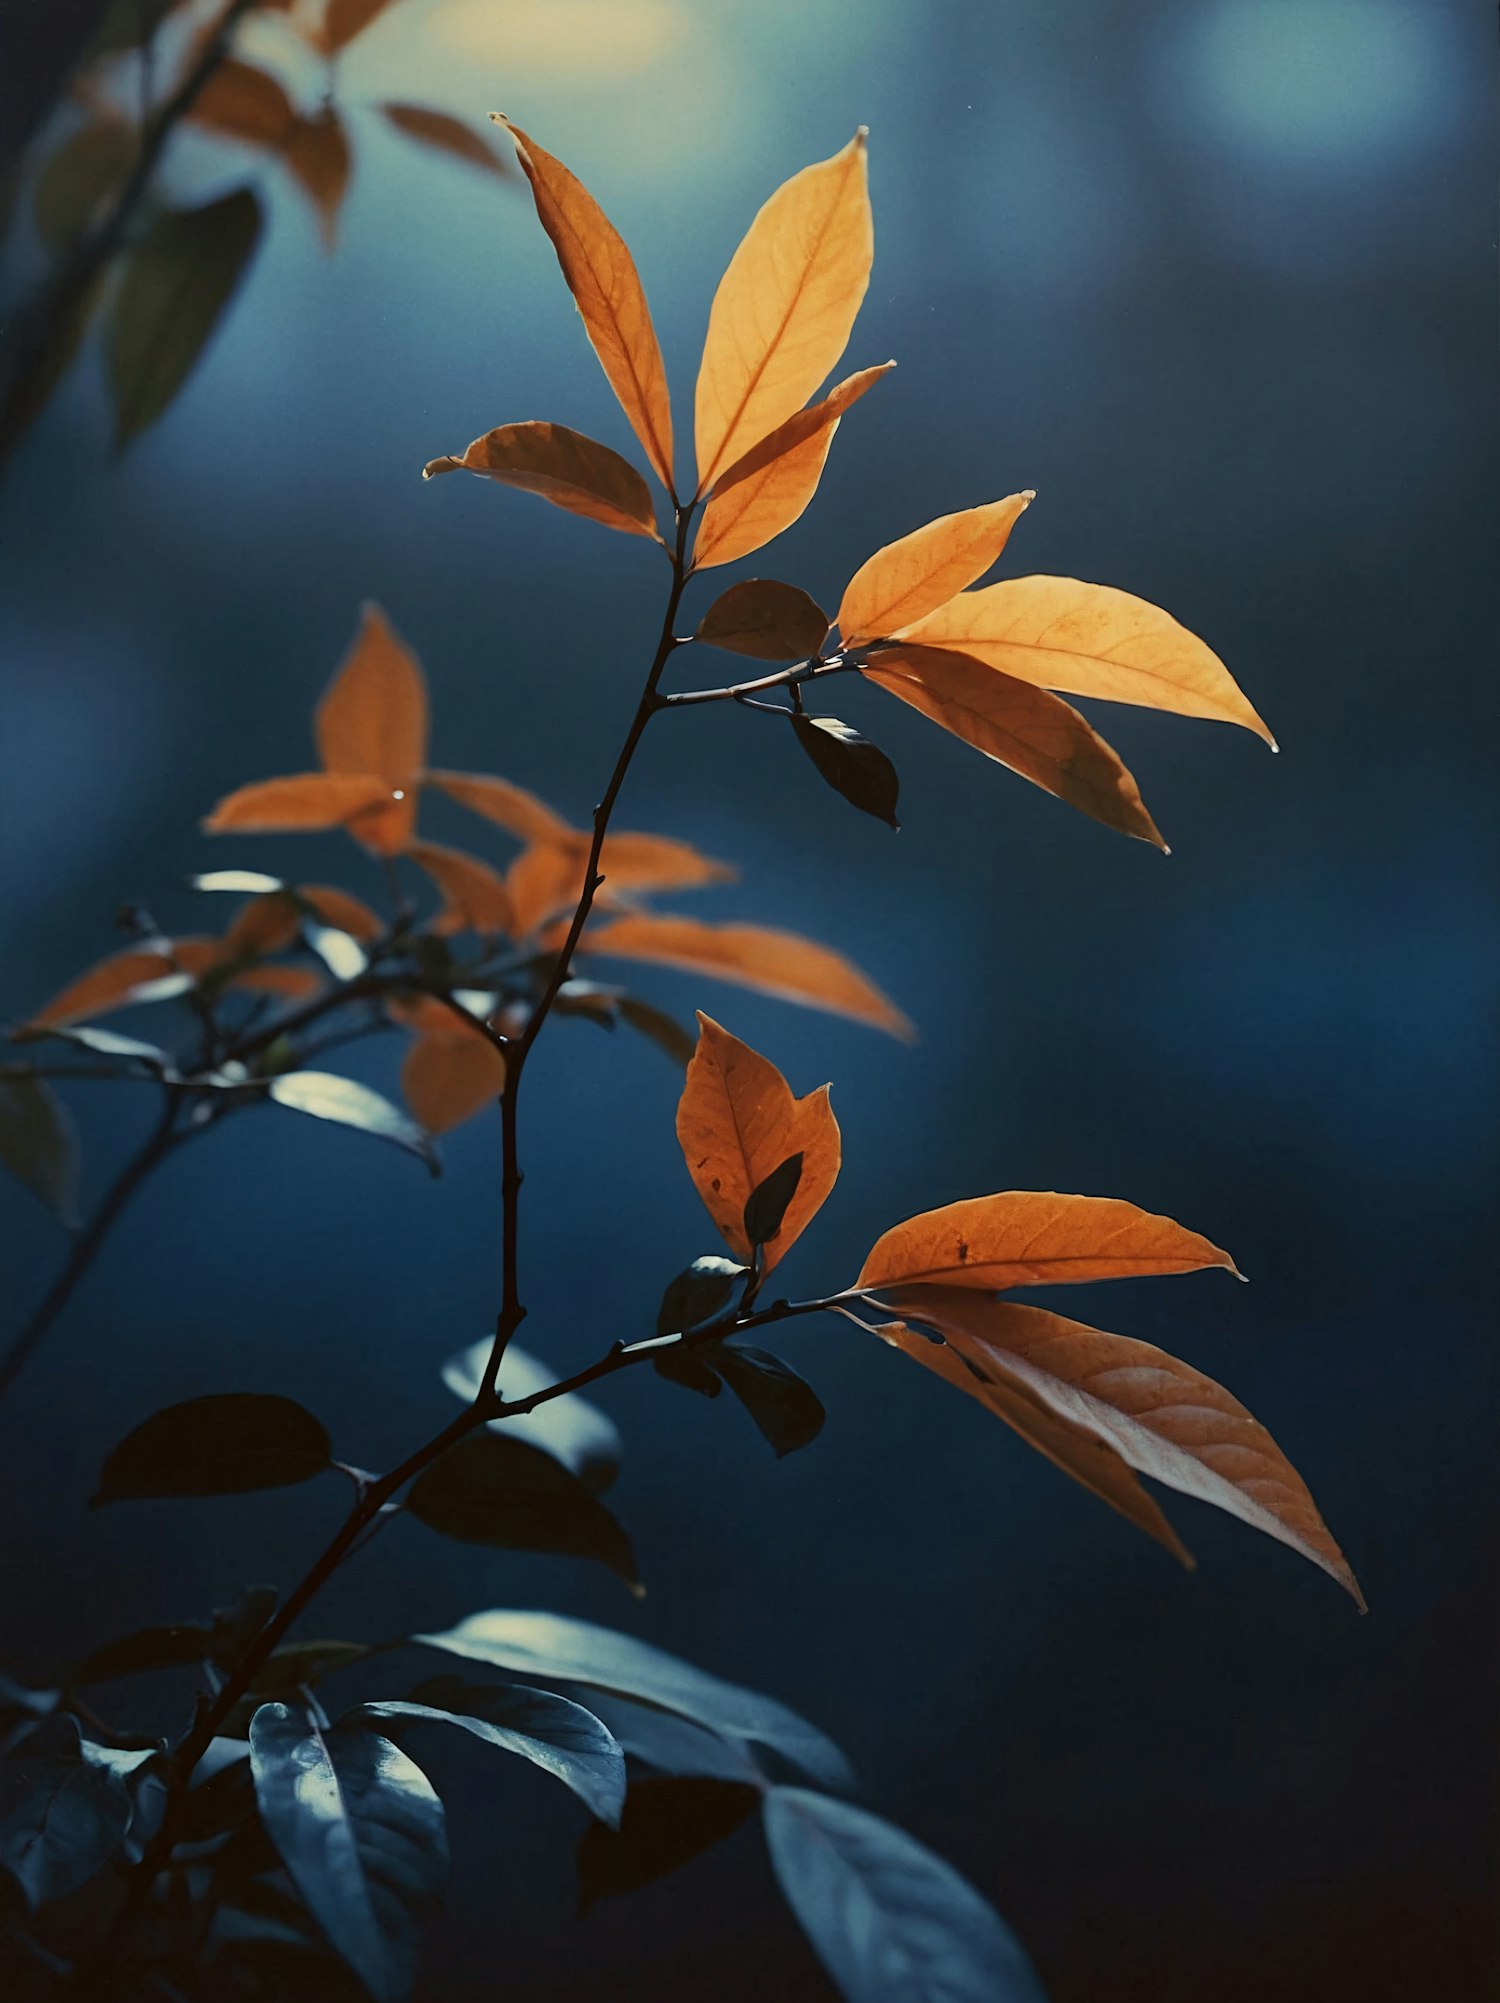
(1217, 279)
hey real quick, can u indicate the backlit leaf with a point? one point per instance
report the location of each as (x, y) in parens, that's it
(1086, 1398)
(737, 1123)
(492, 1489)
(658, 862)
(244, 882)
(569, 1428)
(342, 910)
(227, 1444)
(564, 467)
(445, 135)
(908, 579)
(770, 486)
(1089, 640)
(522, 813)
(475, 895)
(852, 765)
(766, 619)
(1019, 726)
(305, 800)
(667, 1822)
(1030, 1238)
(544, 881)
(109, 984)
(752, 956)
(176, 282)
(373, 721)
(39, 1142)
(62, 1815)
(103, 1043)
(785, 307)
(80, 178)
(889, 1921)
(243, 102)
(317, 155)
(362, 1836)
(602, 277)
(326, 1096)
(786, 1410)
(450, 1075)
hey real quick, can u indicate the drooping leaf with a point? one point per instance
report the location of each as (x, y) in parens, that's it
(1089, 640)
(765, 619)
(687, 1365)
(176, 282)
(62, 1815)
(519, 812)
(852, 765)
(227, 1444)
(889, 1921)
(445, 134)
(243, 102)
(770, 486)
(449, 1075)
(545, 881)
(602, 277)
(476, 896)
(103, 1043)
(787, 1411)
(39, 1142)
(631, 861)
(305, 800)
(698, 1293)
(737, 1124)
(1102, 1405)
(572, 1430)
(81, 177)
(340, 909)
(373, 722)
(1021, 727)
(658, 1027)
(784, 309)
(149, 1648)
(362, 1836)
(557, 1649)
(766, 1205)
(325, 1096)
(667, 1822)
(560, 1737)
(910, 578)
(497, 1490)
(751, 956)
(672, 1745)
(318, 157)
(110, 983)
(344, 19)
(562, 466)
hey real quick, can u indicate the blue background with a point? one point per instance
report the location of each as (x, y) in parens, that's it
(1217, 280)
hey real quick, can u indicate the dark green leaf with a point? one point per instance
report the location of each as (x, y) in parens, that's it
(557, 1649)
(362, 1835)
(298, 1665)
(177, 281)
(666, 1824)
(62, 1815)
(569, 1428)
(79, 177)
(326, 1096)
(890, 1922)
(490, 1489)
(766, 619)
(765, 1206)
(223, 1445)
(552, 1732)
(699, 1292)
(851, 764)
(147, 1649)
(39, 1143)
(659, 1027)
(785, 1408)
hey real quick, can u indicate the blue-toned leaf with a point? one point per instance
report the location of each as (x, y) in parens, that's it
(491, 1489)
(665, 1825)
(569, 1428)
(326, 1096)
(62, 1814)
(223, 1445)
(39, 1142)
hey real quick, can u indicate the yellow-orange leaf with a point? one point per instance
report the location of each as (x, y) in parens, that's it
(657, 862)
(784, 309)
(374, 720)
(244, 103)
(1089, 640)
(1021, 727)
(564, 467)
(447, 135)
(1063, 1385)
(770, 487)
(475, 895)
(910, 578)
(317, 156)
(304, 800)
(448, 1077)
(516, 810)
(737, 1122)
(752, 956)
(602, 277)
(544, 879)
(342, 910)
(108, 984)
(1033, 1238)
(766, 619)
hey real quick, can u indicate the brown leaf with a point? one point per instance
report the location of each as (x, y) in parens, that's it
(446, 135)
(342, 910)
(910, 578)
(344, 19)
(304, 800)
(476, 897)
(770, 487)
(1033, 1238)
(242, 102)
(262, 925)
(1089, 640)
(602, 277)
(290, 983)
(766, 619)
(752, 956)
(737, 1121)
(785, 307)
(81, 176)
(317, 155)
(564, 467)
(656, 862)
(450, 1075)
(1074, 1390)
(374, 720)
(1021, 727)
(516, 810)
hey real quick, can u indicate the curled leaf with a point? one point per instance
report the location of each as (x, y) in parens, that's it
(562, 466)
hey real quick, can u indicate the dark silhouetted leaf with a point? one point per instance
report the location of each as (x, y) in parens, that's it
(39, 1142)
(80, 178)
(552, 1732)
(62, 1815)
(766, 619)
(149, 1648)
(852, 765)
(362, 1835)
(298, 1665)
(564, 467)
(766, 1205)
(667, 1822)
(569, 1428)
(239, 1622)
(658, 1027)
(557, 1649)
(686, 1366)
(785, 1408)
(673, 1745)
(177, 281)
(490, 1489)
(326, 1096)
(890, 1922)
(698, 1293)
(222, 1445)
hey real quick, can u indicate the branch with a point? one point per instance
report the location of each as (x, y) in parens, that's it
(812, 670)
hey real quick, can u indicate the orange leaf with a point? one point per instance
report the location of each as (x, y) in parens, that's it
(318, 157)
(1061, 1384)
(448, 135)
(1021, 727)
(656, 862)
(564, 467)
(108, 984)
(768, 620)
(770, 487)
(244, 103)
(752, 956)
(290, 983)
(305, 800)
(1033, 1238)
(784, 309)
(476, 897)
(515, 809)
(447, 1078)
(340, 909)
(374, 719)
(1089, 640)
(910, 578)
(262, 925)
(602, 277)
(543, 880)
(737, 1122)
